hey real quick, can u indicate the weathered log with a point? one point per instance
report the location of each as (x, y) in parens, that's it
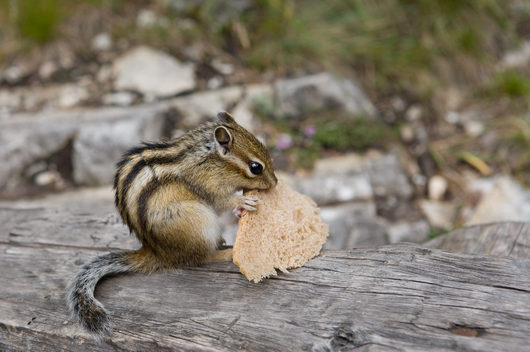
(506, 239)
(399, 297)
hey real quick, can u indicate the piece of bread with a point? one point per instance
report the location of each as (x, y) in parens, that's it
(284, 233)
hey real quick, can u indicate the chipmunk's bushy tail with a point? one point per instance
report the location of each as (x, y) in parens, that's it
(84, 308)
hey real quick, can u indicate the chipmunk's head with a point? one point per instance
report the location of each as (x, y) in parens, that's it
(245, 155)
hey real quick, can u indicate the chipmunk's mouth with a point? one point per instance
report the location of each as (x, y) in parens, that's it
(246, 190)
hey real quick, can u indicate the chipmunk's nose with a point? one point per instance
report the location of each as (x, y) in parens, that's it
(271, 179)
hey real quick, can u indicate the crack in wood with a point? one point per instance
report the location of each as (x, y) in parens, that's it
(519, 233)
(55, 246)
(511, 288)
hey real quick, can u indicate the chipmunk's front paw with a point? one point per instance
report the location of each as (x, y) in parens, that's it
(245, 203)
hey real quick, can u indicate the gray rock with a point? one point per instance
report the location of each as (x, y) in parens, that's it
(406, 133)
(353, 225)
(72, 95)
(41, 97)
(99, 145)
(99, 138)
(472, 120)
(398, 104)
(146, 18)
(224, 68)
(474, 128)
(503, 199)
(49, 178)
(383, 171)
(214, 82)
(452, 117)
(36, 168)
(439, 214)
(516, 58)
(367, 233)
(414, 113)
(47, 69)
(244, 110)
(437, 187)
(348, 163)
(152, 72)
(104, 74)
(64, 55)
(243, 114)
(319, 92)
(10, 100)
(334, 188)
(25, 99)
(119, 99)
(355, 177)
(201, 106)
(388, 178)
(26, 66)
(19, 70)
(102, 42)
(416, 232)
(27, 140)
(12, 74)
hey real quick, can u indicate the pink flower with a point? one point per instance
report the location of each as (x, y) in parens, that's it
(284, 141)
(310, 131)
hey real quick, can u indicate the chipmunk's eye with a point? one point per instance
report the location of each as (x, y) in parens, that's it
(255, 168)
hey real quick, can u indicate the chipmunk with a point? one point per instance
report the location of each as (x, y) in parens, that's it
(170, 194)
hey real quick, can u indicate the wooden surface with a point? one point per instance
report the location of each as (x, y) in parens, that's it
(399, 297)
(506, 239)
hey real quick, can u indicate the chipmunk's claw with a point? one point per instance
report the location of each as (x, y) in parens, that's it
(245, 203)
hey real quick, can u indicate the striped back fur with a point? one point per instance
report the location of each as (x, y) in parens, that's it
(191, 160)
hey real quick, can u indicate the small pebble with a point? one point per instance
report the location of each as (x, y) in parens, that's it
(437, 187)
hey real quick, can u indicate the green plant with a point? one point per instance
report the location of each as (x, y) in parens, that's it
(359, 133)
(436, 232)
(306, 156)
(37, 20)
(400, 41)
(512, 84)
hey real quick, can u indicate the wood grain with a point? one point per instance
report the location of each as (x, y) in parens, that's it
(505, 239)
(400, 297)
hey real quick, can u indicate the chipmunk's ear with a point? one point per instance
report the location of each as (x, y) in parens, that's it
(223, 140)
(225, 117)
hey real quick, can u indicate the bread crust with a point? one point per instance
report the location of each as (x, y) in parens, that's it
(283, 234)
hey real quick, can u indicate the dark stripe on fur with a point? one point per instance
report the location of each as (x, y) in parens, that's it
(126, 158)
(119, 167)
(147, 161)
(148, 146)
(143, 200)
(128, 180)
(166, 159)
(199, 191)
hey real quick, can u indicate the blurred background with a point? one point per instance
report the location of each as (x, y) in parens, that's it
(402, 119)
